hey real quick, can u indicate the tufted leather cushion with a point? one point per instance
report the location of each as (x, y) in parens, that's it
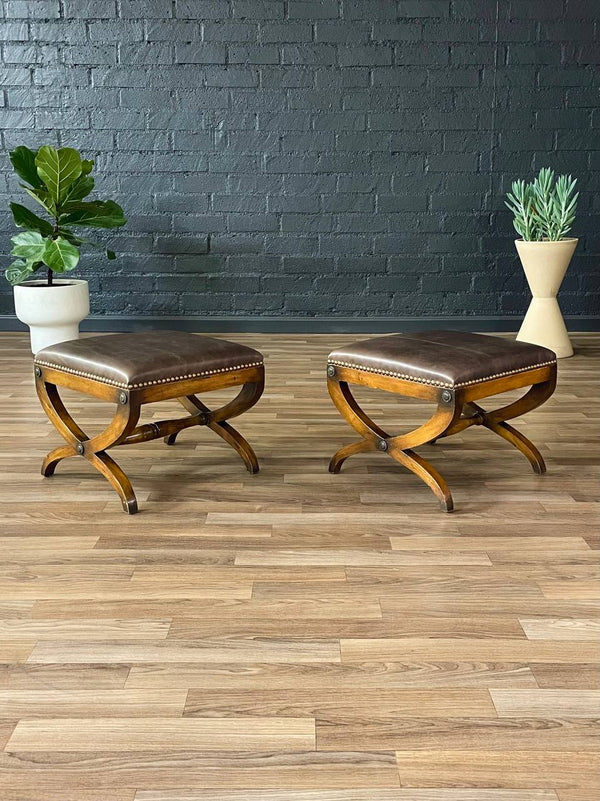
(442, 358)
(131, 361)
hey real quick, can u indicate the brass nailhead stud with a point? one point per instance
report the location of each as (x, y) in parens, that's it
(37, 371)
(382, 445)
(123, 398)
(331, 371)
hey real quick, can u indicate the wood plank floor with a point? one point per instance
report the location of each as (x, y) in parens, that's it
(294, 635)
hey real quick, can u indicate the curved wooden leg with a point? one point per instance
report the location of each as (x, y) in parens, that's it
(338, 459)
(428, 474)
(79, 444)
(398, 448)
(521, 443)
(54, 457)
(534, 397)
(193, 405)
(496, 421)
(62, 422)
(111, 471)
(216, 420)
(352, 413)
(249, 395)
(238, 443)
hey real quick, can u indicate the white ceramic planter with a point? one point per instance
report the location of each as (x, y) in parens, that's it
(53, 313)
(545, 265)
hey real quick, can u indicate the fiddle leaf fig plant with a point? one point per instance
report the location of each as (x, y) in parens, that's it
(58, 181)
(544, 210)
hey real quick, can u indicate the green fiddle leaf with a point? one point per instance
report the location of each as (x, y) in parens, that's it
(40, 196)
(30, 245)
(77, 191)
(23, 161)
(19, 271)
(97, 214)
(25, 218)
(60, 255)
(59, 181)
(58, 169)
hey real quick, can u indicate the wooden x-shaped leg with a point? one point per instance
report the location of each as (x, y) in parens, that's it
(400, 447)
(496, 421)
(94, 449)
(216, 420)
(456, 411)
(123, 430)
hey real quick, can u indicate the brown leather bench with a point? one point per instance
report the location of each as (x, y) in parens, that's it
(452, 369)
(133, 369)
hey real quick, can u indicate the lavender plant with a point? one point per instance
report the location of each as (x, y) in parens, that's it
(545, 209)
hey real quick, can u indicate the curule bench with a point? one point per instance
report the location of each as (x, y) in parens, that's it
(133, 369)
(452, 369)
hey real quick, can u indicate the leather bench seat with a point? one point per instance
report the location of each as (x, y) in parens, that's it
(132, 370)
(449, 359)
(133, 361)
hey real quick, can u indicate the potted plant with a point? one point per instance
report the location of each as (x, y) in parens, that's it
(544, 212)
(58, 181)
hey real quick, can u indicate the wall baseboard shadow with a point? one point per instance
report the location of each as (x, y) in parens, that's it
(305, 325)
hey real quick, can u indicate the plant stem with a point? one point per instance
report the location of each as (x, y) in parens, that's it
(55, 233)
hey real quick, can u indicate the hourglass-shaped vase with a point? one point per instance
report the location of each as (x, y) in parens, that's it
(545, 265)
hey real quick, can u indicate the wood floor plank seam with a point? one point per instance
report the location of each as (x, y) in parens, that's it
(462, 794)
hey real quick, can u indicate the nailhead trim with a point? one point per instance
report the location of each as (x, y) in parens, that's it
(119, 385)
(432, 381)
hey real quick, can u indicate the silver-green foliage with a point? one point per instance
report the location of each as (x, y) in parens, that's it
(58, 181)
(543, 209)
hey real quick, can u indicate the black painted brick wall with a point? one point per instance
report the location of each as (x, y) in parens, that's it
(346, 157)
